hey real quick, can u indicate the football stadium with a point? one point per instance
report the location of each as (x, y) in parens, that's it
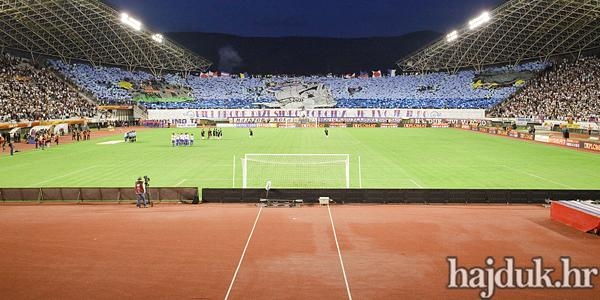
(133, 167)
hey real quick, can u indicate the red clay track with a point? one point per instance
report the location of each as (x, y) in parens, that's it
(191, 252)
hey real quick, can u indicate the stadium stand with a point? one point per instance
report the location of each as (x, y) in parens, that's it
(571, 89)
(120, 63)
(87, 31)
(102, 82)
(90, 31)
(519, 31)
(513, 32)
(434, 90)
(31, 92)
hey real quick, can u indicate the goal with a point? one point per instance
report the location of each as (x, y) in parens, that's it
(296, 170)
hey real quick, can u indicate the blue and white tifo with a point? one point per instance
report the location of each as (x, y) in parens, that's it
(431, 90)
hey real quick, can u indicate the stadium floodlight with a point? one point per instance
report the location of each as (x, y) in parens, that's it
(452, 36)
(131, 22)
(157, 37)
(482, 19)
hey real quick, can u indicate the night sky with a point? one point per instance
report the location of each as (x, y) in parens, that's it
(323, 18)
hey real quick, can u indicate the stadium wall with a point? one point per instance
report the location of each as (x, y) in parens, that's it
(491, 196)
(589, 145)
(115, 194)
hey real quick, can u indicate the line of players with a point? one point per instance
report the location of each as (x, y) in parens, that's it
(186, 139)
(182, 139)
(215, 133)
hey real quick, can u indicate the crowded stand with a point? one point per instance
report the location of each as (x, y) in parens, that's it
(571, 89)
(101, 81)
(32, 92)
(432, 90)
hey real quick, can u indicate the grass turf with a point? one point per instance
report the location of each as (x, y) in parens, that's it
(390, 158)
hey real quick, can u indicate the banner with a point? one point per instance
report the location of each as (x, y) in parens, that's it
(573, 143)
(591, 146)
(364, 125)
(414, 125)
(115, 107)
(526, 136)
(321, 114)
(542, 138)
(187, 125)
(557, 141)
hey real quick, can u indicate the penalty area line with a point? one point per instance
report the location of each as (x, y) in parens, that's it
(337, 245)
(538, 177)
(243, 254)
(415, 183)
(181, 182)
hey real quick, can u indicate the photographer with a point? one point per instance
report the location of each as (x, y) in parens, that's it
(140, 191)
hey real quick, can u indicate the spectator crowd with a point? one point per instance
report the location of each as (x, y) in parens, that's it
(570, 89)
(31, 92)
(432, 90)
(567, 89)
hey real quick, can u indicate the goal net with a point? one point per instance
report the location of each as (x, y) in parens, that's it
(296, 170)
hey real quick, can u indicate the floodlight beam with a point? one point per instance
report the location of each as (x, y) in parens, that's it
(131, 22)
(452, 36)
(482, 19)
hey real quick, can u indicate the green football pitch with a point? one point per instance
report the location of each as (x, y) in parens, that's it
(389, 158)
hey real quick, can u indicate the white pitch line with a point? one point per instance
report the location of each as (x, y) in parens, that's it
(181, 182)
(337, 244)
(420, 186)
(539, 177)
(61, 176)
(243, 254)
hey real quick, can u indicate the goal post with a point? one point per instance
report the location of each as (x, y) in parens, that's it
(296, 170)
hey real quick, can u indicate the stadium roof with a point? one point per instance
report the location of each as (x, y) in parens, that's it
(515, 31)
(89, 30)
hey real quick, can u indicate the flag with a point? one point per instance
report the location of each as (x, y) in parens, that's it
(377, 73)
(477, 84)
(242, 75)
(211, 74)
(392, 72)
(203, 75)
(125, 85)
(224, 74)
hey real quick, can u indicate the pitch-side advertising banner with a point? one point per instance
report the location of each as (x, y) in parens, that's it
(323, 114)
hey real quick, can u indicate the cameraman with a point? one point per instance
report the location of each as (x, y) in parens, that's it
(147, 192)
(140, 191)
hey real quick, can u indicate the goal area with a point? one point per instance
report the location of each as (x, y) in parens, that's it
(296, 170)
